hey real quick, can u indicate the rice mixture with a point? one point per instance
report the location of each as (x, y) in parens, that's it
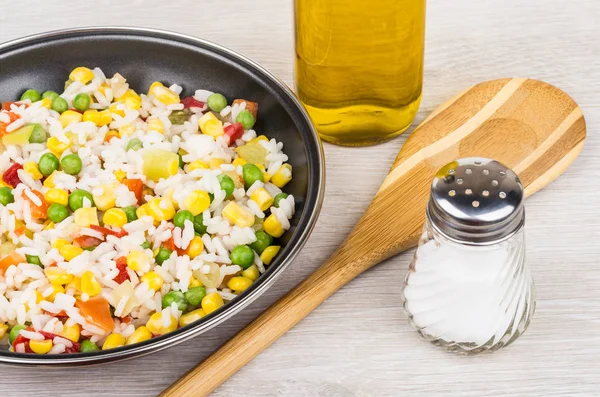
(124, 216)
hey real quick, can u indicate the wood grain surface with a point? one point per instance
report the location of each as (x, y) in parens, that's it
(359, 343)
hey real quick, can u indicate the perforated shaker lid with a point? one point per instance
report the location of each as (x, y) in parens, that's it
(476, 201)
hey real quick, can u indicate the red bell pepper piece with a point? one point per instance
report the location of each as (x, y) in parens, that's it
(87, 241)
(122, 266)
(73, 349)
(136, 186)
(191, 102)
(233, 132)
(252, 107)
(11, 176)
(107, 231)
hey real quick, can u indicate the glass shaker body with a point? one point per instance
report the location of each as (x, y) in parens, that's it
(469, 298)
(359, 66)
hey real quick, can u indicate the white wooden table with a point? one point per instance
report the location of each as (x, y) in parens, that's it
(359, 343)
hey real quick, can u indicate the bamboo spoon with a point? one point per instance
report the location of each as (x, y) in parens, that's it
(529, 125)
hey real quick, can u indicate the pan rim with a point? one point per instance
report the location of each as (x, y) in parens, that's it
(314, 196)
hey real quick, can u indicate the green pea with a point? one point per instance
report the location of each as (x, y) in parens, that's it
(71, 164)
(181, 217)
(134, 144)
(194, 295)
(32, 95)
(34, 260)
(50, 95)
(181, 162)
(48, 164)
(57, 213)
(60, 105)
(82, 102)
(131, 213)
(216, 102)
(211, 197)
(251, 174)
(146, 245)
(263, 240)
(88, 346)
(246, 118)
(226, 184)
(163, 255)
(242, 256)
(176, 297)
(38, 135)
(278, 198)
(14, 332)
(199, 226)
(76, 199)
(6, 196)
(178, 117)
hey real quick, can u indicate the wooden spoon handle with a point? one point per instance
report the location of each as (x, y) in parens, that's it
(264, 330)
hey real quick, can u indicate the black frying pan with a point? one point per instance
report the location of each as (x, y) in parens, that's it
(144, 56)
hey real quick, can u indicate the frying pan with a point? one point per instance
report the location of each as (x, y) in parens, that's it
(146, 55)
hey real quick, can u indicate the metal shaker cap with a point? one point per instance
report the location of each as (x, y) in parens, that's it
(476, 201)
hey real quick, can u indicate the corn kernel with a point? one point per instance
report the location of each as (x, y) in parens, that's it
(74, 285)
(59, 243)
(40, 346)
(110, 135)
(237, 215)
(213, 128)
(71, 332)
(91, 115)
(56, 289)
(113, 341)
(161, 209)
(137, 260)
(191, 317)
(251, 273)
(3, 329)
(139, 335)
(69, 117)
(197, 202)
(102, 88)
(257, 139)
(153, 279)
(127, 129)
(131, 99)
(194, 165)
(104, 196)
(38, 297)
(266, 176)
(142, 211)
(120, 175)
(89, 284)
(70, 251)
(32, 169)
(47, 103)
(58, 276)
(215, 163)
(269, 253)
(115, 217)
(163, 94)
(204, 119)
(56, 146)
(85, 217)
(195, 247)
(82, 74)
(104, 118)
(194, 282)
(156, 125)
(262, 198)
(272, 226)
(169, 195)
(239, 284)
(282, 176)
(114, 109)
(156, 326)
(211, 302)
(57, 196)
(239, 161)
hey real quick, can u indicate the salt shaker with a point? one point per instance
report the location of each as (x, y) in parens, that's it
(469, 288)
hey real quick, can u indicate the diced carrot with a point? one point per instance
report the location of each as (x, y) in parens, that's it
(121, 263)
(136, 186)
(37, 211)
(7, 105)
(252, 107)
(87, 241)
(96, 311)
(11, 259)
(107, 231)
(12, 117)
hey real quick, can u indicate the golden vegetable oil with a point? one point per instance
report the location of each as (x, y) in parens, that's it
(359, 66)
